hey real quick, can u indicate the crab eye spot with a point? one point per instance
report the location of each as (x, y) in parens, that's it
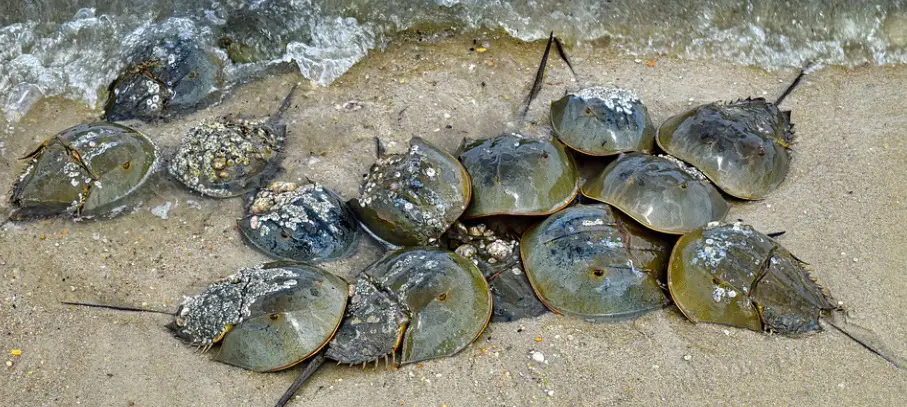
(180, 322)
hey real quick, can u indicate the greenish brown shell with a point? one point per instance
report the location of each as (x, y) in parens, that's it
(741, 146)
(228, 157)
(410, 199)
(733, 275)
(85, 171)
(515, 175)
(603, 121)
(429, 303)
(660, 192)
(284, 312)
(588, 262)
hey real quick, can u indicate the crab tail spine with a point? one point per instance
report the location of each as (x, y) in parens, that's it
(563, 54)
(537, 83)
(867, 340)
(309, 370)
(793, 85)
(118, 308)
(380, 151)
(285, 104)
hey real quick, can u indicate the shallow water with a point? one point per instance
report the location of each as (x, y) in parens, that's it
(74, 49)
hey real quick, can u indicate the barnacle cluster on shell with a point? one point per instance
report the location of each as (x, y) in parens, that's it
(616, 99)
(204, 318)
(286, 204)
(480, 243)
(223, 157)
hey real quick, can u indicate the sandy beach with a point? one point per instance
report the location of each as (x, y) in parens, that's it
(843, 206)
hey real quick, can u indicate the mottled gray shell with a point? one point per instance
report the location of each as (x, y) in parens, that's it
(410, 199)
(87, 170)
(307, 223)
(163, 77)
(428, 302)
(588, 262)
(661, 192)
(741, 146)
(603, 121)
(515, 175)
(228, 157)
(733, 275)
(267, 318)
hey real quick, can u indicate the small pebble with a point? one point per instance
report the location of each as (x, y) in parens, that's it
(687, 357)
(9, 363)
(855, 259)
(538, 357)
(550, 393)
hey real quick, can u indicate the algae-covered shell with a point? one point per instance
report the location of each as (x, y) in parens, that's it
(307, 223)
(603, 121)
(741, 146)
(588, 262)
(268, 317)
(228, 157)
(410, 199)
(429, 302)
(515, 175)
(733, 275)
(87, 170)
(660, 192)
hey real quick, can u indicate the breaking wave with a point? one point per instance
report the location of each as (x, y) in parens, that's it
(49, 48)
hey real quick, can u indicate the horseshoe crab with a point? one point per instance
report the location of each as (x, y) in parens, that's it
(265, 318)
(427, 302)
(163, 77)
(741, 146)
(410, 199)
(660, 192)
(228, 156)
(300, 222)
(515, 175)
(588, 262)
(733, 275)
(730, 274)
(85, 171)
(603, 121)
(497, 256)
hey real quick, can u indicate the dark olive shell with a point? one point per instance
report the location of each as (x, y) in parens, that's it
(228, 157)
(307, 223)
(733, 275)
(87, 170)
(288, 320)
(603, 121)
(410, 199)
(662, 193)
(163, 77)
(588, 262)
(514, 175)
(431, 302)
(741, 146)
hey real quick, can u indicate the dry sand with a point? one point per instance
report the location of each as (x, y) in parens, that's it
(844, 207)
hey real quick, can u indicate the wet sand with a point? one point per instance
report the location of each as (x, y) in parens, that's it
(843, 206)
